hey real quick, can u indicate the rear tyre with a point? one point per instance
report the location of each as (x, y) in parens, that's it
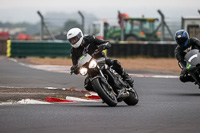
(132, 99)
(107, 96)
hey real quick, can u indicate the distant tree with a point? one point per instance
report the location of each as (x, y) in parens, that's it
(71, 24)
(30, 28)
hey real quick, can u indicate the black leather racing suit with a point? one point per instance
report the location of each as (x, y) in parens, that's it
(90, 44)
(180, 53)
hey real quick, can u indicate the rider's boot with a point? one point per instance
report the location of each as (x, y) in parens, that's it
(118, 68)
(127, 78)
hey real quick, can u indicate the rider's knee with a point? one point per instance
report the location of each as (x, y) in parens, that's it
(186, 78)
(109, 62)
(116, 62)
(183, 79)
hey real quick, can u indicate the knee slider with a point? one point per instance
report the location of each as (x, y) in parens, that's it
(109, 62)
(182, 79)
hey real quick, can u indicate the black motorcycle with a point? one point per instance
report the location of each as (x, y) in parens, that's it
(192, 59)
(107, 83)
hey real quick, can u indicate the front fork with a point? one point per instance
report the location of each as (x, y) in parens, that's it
(121, 93)
(102, 78)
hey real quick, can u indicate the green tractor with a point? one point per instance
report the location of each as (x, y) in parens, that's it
(134, 29)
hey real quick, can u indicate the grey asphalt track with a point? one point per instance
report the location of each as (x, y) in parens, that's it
(165, 106)
(13, 74)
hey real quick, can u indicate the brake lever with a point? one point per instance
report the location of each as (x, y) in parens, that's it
(96, 52)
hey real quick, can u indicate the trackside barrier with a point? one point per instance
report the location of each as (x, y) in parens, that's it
(62, 49)
(38, 49)
(145, 50)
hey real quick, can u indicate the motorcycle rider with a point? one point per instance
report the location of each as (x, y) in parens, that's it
(90, 44)
(185, 44)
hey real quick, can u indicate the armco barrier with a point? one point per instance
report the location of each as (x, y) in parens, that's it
(62, 49)
(146, 50)
(38, 49)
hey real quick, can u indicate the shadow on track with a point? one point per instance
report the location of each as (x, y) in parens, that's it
(99, 106)
(184, 94)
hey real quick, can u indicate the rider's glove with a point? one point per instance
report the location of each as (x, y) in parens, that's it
(104, 46)
(101, 47)
(184, 72)
(74, 69)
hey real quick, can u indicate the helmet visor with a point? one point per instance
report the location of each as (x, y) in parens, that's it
(181, 41)
(75, 39)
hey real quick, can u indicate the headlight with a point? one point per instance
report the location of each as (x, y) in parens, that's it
(83, 71)
(93, 64)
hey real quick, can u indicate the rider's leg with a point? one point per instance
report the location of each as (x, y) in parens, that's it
(186, 79)
(118, 68)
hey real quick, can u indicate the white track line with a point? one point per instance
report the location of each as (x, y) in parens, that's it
(66, 69)
(25, 101)
(31, 101)
(153, 76)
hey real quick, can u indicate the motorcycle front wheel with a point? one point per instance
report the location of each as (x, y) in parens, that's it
(107, 96)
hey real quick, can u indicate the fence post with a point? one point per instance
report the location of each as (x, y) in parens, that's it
(8, 48)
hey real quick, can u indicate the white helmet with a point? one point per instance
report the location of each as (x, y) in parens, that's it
(75, 37)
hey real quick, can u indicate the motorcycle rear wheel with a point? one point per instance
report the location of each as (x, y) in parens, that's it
(102, 91)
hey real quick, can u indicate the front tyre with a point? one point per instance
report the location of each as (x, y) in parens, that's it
(107, 96)
(132, 99)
